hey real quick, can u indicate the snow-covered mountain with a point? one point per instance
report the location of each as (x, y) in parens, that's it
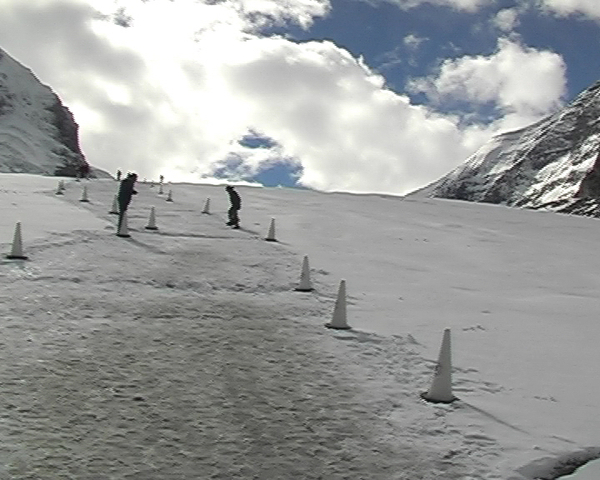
(38, 134)
(553, 164)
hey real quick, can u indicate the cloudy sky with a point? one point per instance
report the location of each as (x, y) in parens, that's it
(348, 95)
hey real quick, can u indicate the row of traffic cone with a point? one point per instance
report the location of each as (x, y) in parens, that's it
(16, 252)
(441, 386)
(206, 210)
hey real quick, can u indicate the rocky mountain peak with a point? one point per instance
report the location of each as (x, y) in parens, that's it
(38, 134)
(552, 164)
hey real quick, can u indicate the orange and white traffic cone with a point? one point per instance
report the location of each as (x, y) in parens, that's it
(339, 321)
(271, 235)
(305, 285)
(152, 221)
(16, 252)
(441, 386)
(123, 228)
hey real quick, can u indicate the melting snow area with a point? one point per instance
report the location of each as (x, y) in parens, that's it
(186, 353)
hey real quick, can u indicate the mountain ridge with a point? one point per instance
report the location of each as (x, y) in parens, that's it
(38, 133)
(552, 164)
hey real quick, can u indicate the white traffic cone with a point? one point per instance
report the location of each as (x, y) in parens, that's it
(160, 189)
(124, 229)
(170, 196)
(84, 195)
(115, 207)
(59, 189)
(16, 252)
(339, 312)
(271, 234)
(206, 208)
(441, 386)
(304, 285)
(152, 221)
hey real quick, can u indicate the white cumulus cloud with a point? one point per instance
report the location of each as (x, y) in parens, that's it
(506, 19)
(589, 8)
(175, 91)
(523, 83)
(465, 5)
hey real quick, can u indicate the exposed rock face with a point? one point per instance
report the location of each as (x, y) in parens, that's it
(553, 164)
(38, 134)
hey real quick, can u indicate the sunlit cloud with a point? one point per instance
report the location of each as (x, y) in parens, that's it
(174, 88)
(588, 8)
(506, 19)
(523, 84)
(413, 41)
(464, 5)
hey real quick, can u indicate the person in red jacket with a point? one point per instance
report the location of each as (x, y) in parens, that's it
(236, 205)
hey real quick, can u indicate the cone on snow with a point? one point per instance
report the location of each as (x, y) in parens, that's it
(339, 312)
(59, 189)
(115, 207)
(123, 229)
(206, 208)
(305, 285)
(170, 196)
(152, 221)
(84, 195)
(271, 234)
(16, 252)
(441, 386)
(160, 189)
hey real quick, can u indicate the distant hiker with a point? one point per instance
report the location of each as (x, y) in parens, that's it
(126, 191)
(161, 178)
(118, 175)
(236, 205)
(84, 170)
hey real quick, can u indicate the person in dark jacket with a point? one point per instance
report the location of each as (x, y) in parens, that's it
(84, 170)
(126, 191)
(236, 205)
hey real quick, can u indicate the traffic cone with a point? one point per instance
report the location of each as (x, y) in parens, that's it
(206, 208)
(170, 196)
(59, 189)
(123, 229)
(441, 386)
(152, 221)
(160, 189)
(271, 234)
(115, 207)
(305, 285)
(339, 312)
(84, 195)
(16, 252)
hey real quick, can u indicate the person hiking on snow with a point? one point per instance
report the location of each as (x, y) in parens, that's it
(236, 205)
(126, 191)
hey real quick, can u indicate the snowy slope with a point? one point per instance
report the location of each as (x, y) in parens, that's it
(185, 353)
(548, 165)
